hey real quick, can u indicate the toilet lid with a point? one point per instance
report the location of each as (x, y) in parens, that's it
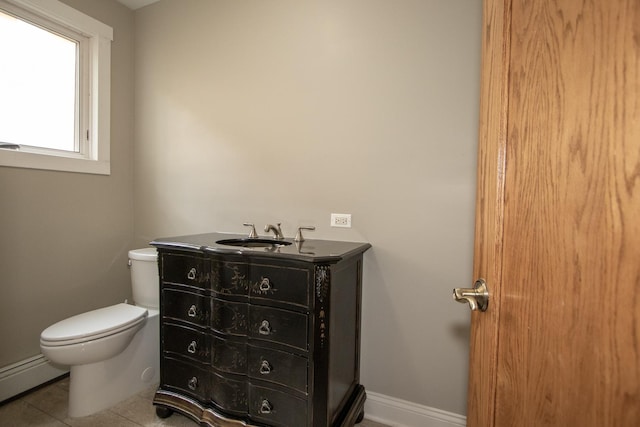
(93, 324)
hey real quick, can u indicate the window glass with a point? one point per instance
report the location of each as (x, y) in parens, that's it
(38, 83)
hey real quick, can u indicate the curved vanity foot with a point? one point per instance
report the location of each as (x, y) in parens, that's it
(354, 411)
(163, 411)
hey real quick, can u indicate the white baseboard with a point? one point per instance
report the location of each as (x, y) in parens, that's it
(400, 413)
(27, 374)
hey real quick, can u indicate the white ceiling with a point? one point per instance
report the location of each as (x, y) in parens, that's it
(136, 4)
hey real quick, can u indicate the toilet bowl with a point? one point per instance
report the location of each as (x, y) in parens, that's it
(113, 352)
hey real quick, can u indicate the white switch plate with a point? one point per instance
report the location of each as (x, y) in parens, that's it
(341, 220)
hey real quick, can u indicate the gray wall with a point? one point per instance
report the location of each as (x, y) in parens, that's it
(64, 237)
(286, 111)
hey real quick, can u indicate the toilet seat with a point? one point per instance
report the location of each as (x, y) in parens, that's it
(93, 325)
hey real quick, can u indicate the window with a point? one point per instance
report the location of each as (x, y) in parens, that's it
(54, 87)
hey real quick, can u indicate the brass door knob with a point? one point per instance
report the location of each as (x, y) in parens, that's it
(477, 297)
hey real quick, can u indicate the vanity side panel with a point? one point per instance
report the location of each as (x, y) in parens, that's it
(344, 332)
(319, 346)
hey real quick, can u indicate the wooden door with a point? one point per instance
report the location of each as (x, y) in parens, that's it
(558, 216)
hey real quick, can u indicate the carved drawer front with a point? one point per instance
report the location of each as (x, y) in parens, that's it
(230, 393)
(276, 408)
(229, 318)
(186, 342)
(278, 367)
(229, 278)
(286, 284)
(185, 269)
(282, 326)
(186, 306)
(185, 377)
(229, 356)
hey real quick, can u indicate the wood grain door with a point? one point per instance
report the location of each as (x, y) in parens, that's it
(558, 216)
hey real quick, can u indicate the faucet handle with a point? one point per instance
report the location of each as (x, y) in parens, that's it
(252, 233)
(299, 237)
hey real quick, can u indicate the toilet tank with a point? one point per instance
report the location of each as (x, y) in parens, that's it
(144, 277)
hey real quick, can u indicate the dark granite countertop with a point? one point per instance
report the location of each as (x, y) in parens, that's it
(311, 250)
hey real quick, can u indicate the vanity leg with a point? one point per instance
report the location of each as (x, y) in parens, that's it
(163, 411)
(360, 417)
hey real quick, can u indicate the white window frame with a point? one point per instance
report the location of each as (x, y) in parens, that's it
(95, 157)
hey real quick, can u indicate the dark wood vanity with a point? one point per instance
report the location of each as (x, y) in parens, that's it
(260, 336)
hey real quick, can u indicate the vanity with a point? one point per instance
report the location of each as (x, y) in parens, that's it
(257, 332)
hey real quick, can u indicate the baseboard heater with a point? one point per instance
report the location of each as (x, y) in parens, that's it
(27, 374)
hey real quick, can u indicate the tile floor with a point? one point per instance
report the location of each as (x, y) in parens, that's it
(47, 407)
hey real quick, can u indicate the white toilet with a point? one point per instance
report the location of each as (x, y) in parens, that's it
(113, 352)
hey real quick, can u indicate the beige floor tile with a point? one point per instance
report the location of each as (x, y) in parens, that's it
(20, 414)
(175, 420)
(141, 410)
(51, 399)
(137, 409)
(101, 419)
(63, 383)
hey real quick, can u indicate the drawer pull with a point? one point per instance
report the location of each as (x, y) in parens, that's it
(192, 347)
(193, 311)
(265, 285)
(193, 383)
(265, 328)
(265, 368)
(265, 407)
(192, 273)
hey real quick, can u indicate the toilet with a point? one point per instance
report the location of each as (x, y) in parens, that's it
(113, 352)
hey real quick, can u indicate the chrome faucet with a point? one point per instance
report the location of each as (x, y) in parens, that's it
(276, 230)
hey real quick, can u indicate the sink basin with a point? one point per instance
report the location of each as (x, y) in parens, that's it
(253, 243)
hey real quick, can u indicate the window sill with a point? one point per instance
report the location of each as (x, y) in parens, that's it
(21, 159)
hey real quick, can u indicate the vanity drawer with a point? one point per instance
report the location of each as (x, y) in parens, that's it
(185, 377)
(186, 306)
(185, 269)
(279, 283)
(278, 367)
(229, 356)
(186, 342)
(282, 326)
(230, 393)
(276, 408)
(230, 318)
(229, 278)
